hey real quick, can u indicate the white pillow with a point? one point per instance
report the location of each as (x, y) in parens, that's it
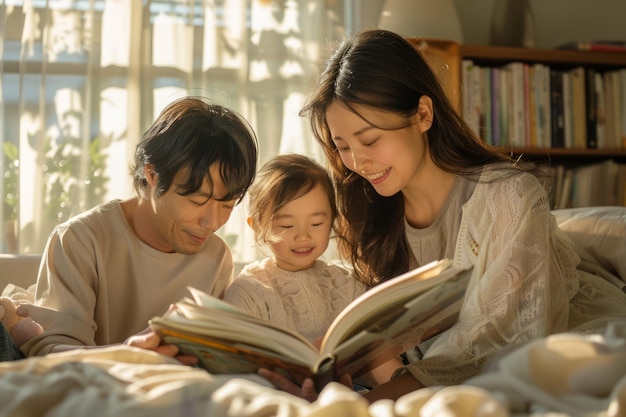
(599, 235)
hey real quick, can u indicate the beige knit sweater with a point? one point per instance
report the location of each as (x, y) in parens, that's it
(100, 284)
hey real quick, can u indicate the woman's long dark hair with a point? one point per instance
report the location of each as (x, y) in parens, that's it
(381, 70)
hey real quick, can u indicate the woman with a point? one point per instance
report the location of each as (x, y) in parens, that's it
(416, 185)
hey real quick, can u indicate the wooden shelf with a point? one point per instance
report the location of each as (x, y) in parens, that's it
(446, 60)
(582, 177)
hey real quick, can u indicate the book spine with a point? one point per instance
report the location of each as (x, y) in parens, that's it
(485, 97)
(557, 124)
(546, 110)
(518, 135)
(579, 108)
(533, 118)
(495, 106)
(529, 108)
(610, 109)
(591, 105)
(505, 89)
(470, 102)
(601, 111)
(617, 109)
(622, 104)
(568, 106)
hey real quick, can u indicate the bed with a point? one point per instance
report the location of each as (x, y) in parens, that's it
(564, 374)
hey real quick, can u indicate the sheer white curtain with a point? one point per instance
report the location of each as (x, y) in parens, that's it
(80, 80)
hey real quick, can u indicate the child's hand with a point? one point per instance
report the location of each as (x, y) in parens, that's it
(306, 391)
(318, 342)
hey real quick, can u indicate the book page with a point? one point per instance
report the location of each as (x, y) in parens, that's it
(221, 353)
(360, 313)
(226, 318)
(402, 327)
(236, 326)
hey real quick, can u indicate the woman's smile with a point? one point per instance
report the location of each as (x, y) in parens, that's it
(378, 177)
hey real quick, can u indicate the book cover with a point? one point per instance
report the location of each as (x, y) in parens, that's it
(382, 323)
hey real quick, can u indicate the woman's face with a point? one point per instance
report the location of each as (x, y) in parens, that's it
(390, 160)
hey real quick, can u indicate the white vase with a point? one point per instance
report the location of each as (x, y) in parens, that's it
(436, 19)
(512, 24)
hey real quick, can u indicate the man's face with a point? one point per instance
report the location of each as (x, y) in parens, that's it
(183, 223)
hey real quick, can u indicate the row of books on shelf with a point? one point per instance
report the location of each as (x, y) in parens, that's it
(534, 105)
(599, 184)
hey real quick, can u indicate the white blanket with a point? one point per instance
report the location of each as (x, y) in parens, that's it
(568, 374)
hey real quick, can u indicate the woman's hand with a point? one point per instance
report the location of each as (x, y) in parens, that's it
(306, 391)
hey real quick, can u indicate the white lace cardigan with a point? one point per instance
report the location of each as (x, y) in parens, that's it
(525, 283)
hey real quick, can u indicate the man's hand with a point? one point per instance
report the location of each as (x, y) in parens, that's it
(148, 339)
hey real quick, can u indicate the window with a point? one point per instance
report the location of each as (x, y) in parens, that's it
(80, 80)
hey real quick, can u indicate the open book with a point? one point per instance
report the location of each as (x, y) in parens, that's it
(382, 323)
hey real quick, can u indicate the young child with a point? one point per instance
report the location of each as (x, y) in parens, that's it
(292, 210)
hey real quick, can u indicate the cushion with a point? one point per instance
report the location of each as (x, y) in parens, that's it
(599, 235)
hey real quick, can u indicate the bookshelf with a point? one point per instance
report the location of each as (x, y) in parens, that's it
(583, 175)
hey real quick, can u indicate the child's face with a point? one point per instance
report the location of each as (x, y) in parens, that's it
(304, 227)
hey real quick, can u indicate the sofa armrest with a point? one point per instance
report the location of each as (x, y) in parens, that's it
(20, 270)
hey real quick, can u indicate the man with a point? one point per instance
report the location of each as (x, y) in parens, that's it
(106, 272)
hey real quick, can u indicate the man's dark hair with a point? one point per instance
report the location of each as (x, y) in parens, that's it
(191, 134)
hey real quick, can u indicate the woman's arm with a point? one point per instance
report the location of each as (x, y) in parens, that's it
(521, 284)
